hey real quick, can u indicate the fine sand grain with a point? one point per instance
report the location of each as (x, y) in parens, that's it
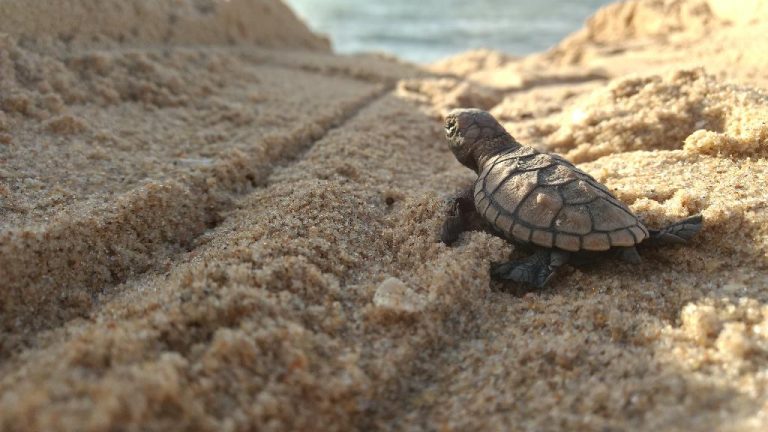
(210, 222)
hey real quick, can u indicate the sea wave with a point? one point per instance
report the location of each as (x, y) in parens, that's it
(430, 29)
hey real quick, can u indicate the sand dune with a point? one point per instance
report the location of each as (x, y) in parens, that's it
(209, 221)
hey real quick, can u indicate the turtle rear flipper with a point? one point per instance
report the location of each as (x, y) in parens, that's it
(628, 254)
(678, 232)
(535, 270)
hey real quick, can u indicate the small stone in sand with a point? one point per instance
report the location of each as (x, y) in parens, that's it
(395, 295)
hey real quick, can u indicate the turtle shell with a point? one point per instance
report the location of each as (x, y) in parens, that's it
(539, 198)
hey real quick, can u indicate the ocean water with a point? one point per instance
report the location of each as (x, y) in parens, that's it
(426, 30)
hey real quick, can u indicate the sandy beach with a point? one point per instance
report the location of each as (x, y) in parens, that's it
(211, 222)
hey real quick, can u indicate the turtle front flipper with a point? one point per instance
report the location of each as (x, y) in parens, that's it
(535, 270)
(452, 226)
(462, 216)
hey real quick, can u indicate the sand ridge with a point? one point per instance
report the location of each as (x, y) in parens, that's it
(225, 231)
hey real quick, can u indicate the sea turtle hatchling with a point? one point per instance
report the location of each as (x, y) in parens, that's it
(541, 200)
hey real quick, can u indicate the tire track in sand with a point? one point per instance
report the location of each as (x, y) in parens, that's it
(54, 272)
(272, 315)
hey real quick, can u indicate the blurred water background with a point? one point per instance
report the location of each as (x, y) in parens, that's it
(426, 30)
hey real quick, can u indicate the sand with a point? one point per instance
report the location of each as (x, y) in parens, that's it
(207, 225)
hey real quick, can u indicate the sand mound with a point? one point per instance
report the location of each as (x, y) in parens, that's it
(78, 23)
(643, 37)
(686, 109)
(465, 64)
(198, 232)
(655, 36)
(636, 19)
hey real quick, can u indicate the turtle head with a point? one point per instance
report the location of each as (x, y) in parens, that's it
(473, 134)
